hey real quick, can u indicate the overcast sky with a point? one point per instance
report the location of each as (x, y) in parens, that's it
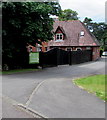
(94, 9)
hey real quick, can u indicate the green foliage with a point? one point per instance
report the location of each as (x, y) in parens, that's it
(23, 23)
(104, 40)
(87, 20)
(99, 30)
(68, 14)
(18, 71)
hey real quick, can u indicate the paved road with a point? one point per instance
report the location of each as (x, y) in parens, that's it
(51, 92)
(11, 110)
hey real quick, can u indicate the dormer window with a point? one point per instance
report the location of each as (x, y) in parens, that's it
(59, 36)
(82, 33)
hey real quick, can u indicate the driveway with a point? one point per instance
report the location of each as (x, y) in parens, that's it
(51, 93)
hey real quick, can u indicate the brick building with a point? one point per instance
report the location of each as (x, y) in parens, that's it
(72, 36)
(37, 48)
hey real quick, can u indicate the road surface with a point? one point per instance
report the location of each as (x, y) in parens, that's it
(51, 93)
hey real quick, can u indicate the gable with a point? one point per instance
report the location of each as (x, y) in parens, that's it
(60, 30)
(72, 30)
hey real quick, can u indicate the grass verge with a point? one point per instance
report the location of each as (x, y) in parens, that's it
(94, 84)
(17, 71)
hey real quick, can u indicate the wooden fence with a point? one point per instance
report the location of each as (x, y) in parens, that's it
(57, 56)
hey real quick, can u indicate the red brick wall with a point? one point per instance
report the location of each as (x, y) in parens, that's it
(83, 48)
(34, 49)
(73, 48)
(96, 53)
(95, 50)
(44, 46)
(31, 47)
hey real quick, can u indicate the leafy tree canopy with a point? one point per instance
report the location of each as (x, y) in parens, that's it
(68, 14)
(99, 30)
(26, 22)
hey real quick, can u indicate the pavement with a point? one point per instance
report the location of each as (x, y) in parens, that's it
(11, 110)
(50, 93)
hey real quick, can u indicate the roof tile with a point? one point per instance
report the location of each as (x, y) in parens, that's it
(72, 30)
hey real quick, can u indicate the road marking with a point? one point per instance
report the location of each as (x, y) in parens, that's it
(34, 91)
(22, 107)
(33, 112)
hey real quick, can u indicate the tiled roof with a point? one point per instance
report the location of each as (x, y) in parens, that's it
(61, 28)
(72, 30)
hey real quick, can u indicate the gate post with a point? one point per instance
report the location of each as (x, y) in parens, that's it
(70, 57)
(57, 56)
(41, 59)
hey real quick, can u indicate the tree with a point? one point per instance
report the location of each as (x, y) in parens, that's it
(99, 30)
(88, 22)
(68, 14)
(104, 41)
(25, 22)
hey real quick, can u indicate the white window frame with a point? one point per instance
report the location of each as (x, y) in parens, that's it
(82, 33)
(30, 49)
(68, 48)
(78, 48)
(38, 49)
(59, 34)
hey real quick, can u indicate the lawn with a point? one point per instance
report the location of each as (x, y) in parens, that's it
(94, 84)
(17, 71)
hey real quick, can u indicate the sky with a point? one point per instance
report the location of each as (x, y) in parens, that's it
(94, 9)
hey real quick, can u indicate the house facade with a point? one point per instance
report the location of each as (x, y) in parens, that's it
(38, 47)
(73, 36)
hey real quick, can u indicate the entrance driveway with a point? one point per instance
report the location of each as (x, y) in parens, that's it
(51, 93)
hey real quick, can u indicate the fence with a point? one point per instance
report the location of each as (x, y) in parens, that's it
(57, 56)
(81, 56)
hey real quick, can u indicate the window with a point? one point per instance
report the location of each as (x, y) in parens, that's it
(78, 49)
(46, 48)
(30, 49)
(82, 33)
(88, 48)
(59, 36)
(39, 49)
(69, 49)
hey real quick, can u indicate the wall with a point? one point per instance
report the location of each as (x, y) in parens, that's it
(73, 48)
(43, 47)
(96, 53)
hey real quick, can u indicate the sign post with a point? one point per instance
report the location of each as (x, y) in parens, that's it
(34, 58)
